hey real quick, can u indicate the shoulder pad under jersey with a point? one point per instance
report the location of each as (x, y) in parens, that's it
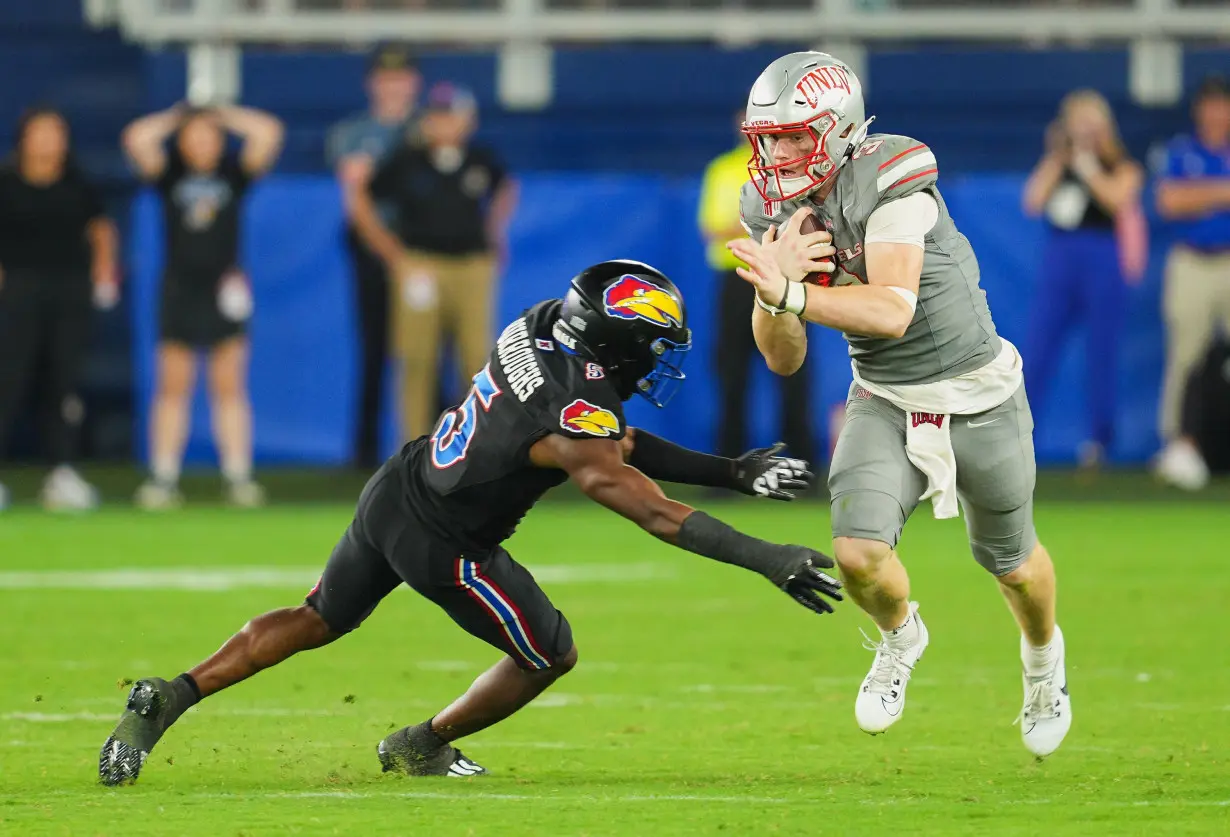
(889, 166)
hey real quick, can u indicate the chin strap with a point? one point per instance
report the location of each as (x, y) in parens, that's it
(856, 139)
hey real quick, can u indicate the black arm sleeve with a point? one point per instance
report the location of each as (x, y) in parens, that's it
(659, 459)
(714, 539)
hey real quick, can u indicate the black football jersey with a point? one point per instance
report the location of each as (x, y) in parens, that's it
(471, 480)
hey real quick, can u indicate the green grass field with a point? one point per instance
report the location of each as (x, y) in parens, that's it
(705, 702)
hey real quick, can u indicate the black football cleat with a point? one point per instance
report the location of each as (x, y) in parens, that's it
(398, 754)
(151, 709)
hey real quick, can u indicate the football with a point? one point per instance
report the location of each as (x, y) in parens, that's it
(812, 224)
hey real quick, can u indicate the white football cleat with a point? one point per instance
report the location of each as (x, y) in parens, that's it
(881, 698)
(1181, 465)
(246, 494)
(1046, 715)
(158, 496)
(66, 490)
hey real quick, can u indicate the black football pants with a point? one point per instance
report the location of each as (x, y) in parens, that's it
(486, 592)
(44, 334)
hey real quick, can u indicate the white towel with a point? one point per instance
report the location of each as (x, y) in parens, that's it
(928, 444)
(929, 410)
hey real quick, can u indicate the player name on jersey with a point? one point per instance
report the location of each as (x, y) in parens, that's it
(518, 360)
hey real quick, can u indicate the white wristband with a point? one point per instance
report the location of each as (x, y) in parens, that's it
(794, 302)
(796, 298)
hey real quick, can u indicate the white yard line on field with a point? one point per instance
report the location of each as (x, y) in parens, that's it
(484, 795)
(57, 717)
(469, 791)
(217, 579)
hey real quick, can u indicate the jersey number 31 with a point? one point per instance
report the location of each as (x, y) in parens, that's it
(452, 437)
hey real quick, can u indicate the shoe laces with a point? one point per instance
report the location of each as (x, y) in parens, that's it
(1040, 701)
(889, 666)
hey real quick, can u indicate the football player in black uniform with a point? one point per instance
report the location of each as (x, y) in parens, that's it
(547, 407)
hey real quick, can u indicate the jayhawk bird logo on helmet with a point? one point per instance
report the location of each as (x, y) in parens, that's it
(630, 298)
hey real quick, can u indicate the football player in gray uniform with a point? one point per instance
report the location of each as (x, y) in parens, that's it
(937, 410)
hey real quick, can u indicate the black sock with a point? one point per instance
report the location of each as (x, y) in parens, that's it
(424, 739)
(187, 689)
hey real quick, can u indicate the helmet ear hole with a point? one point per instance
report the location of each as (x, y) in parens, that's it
(849, 130)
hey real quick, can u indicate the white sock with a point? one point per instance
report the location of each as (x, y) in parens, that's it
(904, 635)
(237, 471)
(166, 470)
(1040, 661)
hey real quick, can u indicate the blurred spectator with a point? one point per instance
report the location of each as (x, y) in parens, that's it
(356, 147)
(453, 203)
(206, 298)
(1088, 190)
(1194, 192)
(719, 222)
(57, 251)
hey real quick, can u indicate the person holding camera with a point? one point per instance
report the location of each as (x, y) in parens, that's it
(1087, 189)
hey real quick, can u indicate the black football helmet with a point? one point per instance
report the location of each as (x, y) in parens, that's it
(629, 318)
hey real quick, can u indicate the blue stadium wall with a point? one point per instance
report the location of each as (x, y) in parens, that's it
(649, 116)
(303, 369)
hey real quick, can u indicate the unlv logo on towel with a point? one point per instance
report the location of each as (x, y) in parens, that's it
(927, 418)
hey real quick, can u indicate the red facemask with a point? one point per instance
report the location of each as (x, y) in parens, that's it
(815, 168)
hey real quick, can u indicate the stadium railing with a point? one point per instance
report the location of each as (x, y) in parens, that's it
(738, 21)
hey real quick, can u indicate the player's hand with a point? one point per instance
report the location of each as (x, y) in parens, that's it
(762, 473)
(808, 586)
(795, 254)
(762, 272)
(798, 253)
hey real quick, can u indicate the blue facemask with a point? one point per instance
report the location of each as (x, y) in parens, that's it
(660, 385)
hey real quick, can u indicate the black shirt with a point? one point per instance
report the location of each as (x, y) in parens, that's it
(202, 217)
(1073, 207)
(42, 228)
(471, 481)
(438, 210)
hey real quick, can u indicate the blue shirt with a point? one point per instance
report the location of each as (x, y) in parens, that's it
(362, 134)
(1184, 158)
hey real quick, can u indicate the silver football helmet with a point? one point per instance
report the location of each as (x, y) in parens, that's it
(803, 92)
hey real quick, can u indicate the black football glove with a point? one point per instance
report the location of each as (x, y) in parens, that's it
(807, 585)
(762, 473)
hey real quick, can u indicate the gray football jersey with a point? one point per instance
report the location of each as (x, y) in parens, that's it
(952, 331)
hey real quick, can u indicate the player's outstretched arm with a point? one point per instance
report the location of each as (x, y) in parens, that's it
(598, 468)
(761, 472)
